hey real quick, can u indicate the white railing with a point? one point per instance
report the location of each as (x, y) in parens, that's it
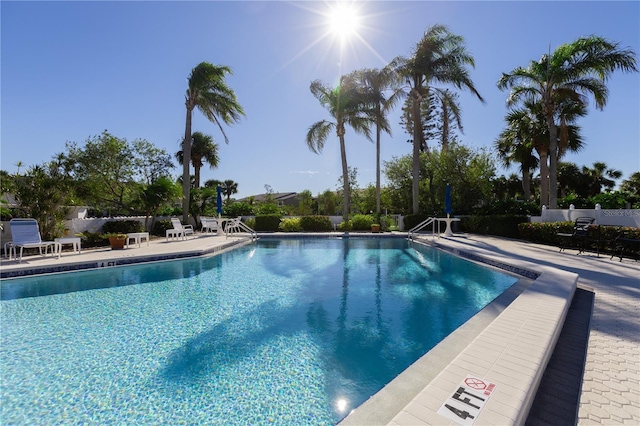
(429, 221)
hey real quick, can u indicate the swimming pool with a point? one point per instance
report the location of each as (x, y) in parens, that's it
(285, 331)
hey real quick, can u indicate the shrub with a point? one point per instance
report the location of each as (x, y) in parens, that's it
(268, 222)
(412, 220)
(500, 225)
(345, 226)
(600, 237)
(290, 224)
(5, 213)
(238, 209)
(361, 222)
(316, 223)
(160, 227)
(509, 207)
(122, 226)
(251, 223)
(385, 223)
(92, 239)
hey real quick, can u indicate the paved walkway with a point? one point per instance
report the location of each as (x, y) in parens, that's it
(611, 383)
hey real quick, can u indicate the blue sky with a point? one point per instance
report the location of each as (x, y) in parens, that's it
(70, 70)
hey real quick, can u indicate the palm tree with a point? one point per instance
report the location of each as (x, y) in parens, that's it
(598, 176)
(203, 149)
(376, 83)
(573, 71)
(229, 188)
(347, 106)
(208, 92)
(529, 124)
(514, 145)
(18, 165)
(439, 57)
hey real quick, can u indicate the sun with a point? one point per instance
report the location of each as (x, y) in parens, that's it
(343, 20)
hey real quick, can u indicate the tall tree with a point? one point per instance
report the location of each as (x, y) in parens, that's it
(515, 145)
(347, 105)
(573, 71)
(599, 176)
(377, 83)
(159, 193)
(208, 92)
(203, 149)
(104, 172)
(439, 57)
(229, 188)
(42, 193)
(527, 129)
(632, 184)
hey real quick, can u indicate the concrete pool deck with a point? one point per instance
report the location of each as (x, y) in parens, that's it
(611, 382)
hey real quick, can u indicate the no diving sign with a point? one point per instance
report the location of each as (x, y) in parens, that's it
(465, 403)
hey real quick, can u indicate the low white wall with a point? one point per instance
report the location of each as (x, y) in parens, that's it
(610, 217)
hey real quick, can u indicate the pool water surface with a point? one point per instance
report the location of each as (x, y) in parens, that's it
(290, 331)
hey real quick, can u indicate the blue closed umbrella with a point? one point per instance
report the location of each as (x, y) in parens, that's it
(447, 201)
(219, 200)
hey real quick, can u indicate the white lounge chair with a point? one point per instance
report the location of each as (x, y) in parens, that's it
(179, 230)
(209, 224)
(25, 233)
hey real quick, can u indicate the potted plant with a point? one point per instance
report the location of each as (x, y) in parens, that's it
(116, 240)
(375, 227)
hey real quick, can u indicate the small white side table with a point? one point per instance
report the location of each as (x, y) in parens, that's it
(76, 241)
(447, 220)
(137, 238)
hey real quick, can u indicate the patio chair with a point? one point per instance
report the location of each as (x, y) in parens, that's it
(209, 224)
(579, 237)
(179, 230)
(25, 233)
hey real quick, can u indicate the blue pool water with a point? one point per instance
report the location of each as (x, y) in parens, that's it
(284, 331)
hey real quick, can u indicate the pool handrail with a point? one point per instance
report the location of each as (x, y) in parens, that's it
(429, 221)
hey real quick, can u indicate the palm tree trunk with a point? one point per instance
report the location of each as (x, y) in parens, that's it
(197, 175)
(417, 131)
(345, 178)
(553, 162)
(544, 177)
(186, 162)
(526, 183)
(378, 130)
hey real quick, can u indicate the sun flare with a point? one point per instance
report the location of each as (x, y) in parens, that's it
(343, 20)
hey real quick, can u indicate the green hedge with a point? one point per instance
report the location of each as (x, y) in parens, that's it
(413, 220)
(268, 222)
(122, 226)
(601, 238)
(160, 227)
(315, 223)
(499, 225)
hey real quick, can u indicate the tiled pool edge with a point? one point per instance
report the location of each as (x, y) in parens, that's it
(512, 351)
(109, 262)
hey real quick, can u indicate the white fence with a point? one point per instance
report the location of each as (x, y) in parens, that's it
(628, 218)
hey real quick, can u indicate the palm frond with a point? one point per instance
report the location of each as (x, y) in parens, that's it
(317, 135)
